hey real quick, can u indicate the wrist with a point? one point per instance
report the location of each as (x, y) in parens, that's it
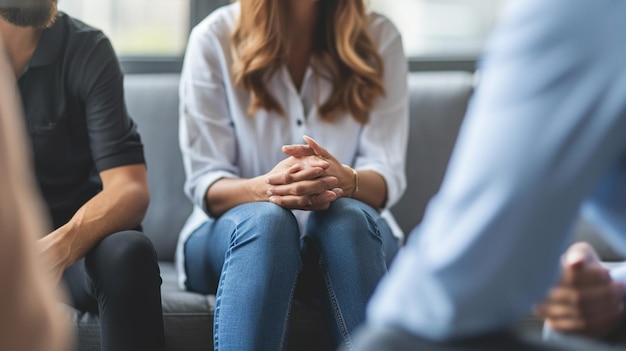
(258, 187)
(352, 183)
(58, 246)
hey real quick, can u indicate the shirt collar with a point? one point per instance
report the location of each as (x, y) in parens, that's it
(49, 45)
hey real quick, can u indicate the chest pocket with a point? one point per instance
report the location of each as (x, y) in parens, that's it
(49, 135)
(50, 143)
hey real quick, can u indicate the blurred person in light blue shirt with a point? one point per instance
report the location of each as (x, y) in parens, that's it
(543, 139)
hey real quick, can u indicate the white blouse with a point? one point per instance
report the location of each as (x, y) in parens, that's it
(218, 139)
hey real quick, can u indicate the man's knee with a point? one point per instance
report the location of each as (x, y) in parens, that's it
(128, 253)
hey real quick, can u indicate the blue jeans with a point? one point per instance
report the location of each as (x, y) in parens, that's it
(252, 255)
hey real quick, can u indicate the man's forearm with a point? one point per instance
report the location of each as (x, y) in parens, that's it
(119, 207)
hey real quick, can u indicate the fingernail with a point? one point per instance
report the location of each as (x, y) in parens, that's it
(268, 192)
(272, 199)
(575, 258)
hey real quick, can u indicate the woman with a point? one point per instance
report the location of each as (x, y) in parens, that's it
(258, 75)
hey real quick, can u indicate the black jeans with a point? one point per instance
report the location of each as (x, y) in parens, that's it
(119, 279)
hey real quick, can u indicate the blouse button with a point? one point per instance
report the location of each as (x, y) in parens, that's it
(299, 122)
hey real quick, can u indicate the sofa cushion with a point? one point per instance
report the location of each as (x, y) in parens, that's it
(152, 101)
(187, 316)
(438, 101)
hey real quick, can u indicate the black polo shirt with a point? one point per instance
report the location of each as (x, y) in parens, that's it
(75, 114)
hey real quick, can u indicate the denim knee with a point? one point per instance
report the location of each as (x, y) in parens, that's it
(270, 223)
(349, 217)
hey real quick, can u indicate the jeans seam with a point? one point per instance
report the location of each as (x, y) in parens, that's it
(372, 225)
(233, 242)
(218, 301)
(335, 306)
(288, 316)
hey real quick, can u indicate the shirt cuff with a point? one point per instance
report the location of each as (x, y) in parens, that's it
(202, 186)
(129, 158)
(395, 185)
(618, 272)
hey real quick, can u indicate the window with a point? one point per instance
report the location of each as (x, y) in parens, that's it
(147, 28)
(441, 28)
(151, 35)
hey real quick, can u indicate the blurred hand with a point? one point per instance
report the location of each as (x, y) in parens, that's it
(586, 300)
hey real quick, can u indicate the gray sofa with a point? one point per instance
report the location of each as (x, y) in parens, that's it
(438, 103)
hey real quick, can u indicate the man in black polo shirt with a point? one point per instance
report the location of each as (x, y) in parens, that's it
(89, 165)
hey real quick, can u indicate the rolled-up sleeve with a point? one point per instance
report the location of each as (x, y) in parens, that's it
(207, 137)
(113, 135)
(383, 142)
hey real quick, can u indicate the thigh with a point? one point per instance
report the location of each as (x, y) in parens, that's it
(391, 244)
(350, 225)
(127, 252)
(249, 232)
(120, 262)
(103, 265)
(205, 251)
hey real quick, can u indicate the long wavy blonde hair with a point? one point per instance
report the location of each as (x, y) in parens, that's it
(344, 50)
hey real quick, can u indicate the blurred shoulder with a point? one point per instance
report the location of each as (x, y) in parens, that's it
(219, 23)
(77, 32)
(382, 29)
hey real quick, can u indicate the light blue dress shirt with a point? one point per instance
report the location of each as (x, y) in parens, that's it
(545, 136)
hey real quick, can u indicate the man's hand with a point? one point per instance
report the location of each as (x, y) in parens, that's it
(586, 300)
(55, 255)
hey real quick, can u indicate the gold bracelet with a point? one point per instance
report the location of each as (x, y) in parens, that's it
(356, 180)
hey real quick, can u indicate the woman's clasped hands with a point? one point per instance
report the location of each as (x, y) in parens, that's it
(309, 179)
